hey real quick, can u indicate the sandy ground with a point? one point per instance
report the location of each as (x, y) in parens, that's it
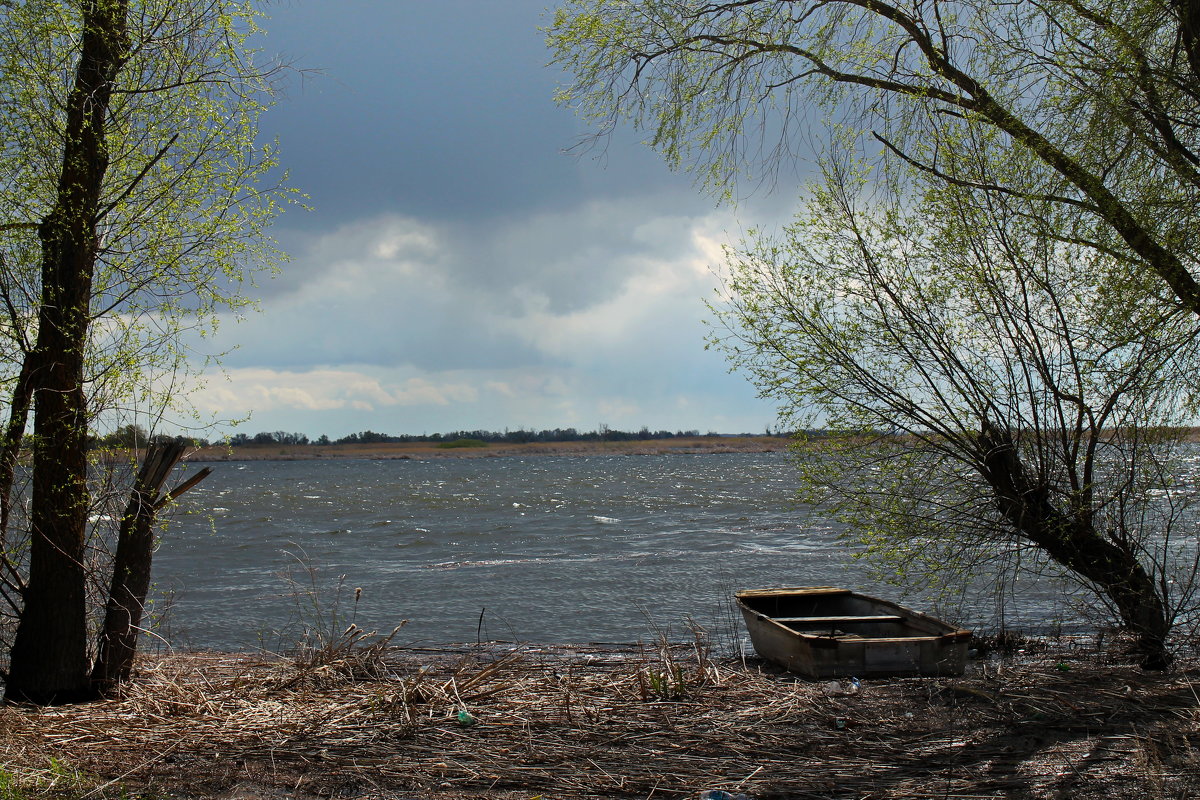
(1052, 720)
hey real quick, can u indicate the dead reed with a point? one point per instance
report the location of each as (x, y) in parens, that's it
(594, 721)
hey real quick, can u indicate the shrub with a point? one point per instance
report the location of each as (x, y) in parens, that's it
(463, 443)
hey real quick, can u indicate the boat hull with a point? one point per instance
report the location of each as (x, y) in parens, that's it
(828, 632)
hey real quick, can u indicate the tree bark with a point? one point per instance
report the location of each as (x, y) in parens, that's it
(48, 661)
(131, 565)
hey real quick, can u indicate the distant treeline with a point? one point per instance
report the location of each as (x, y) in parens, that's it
(135, 436)
(491, 437)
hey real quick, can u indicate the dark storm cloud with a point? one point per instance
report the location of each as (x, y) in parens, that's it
(436, 110)
(459, 270)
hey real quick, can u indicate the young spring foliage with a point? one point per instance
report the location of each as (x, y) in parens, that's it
(187, 196)
(999, 269)
(1000, 403)
(1105, 95)
(134, 200)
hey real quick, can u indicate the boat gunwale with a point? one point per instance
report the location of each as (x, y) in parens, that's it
(951, 633)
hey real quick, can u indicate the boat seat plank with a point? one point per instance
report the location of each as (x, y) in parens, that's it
(825, 620)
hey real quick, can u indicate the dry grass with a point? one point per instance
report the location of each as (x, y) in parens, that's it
(585, 722)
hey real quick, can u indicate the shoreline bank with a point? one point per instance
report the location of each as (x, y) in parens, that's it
(1065, 718)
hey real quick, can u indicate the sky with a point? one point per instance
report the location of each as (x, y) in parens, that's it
(458, 270)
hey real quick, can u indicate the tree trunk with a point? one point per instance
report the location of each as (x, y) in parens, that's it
(48, 662)
(1072, 541)
(11, 581)
(14, 433)
(131, 565)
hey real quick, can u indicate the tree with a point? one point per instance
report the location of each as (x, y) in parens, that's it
(133, 198)
(1002, 400)
(1005, 298)
(117, 641)
(128, 437)
(1105, 95)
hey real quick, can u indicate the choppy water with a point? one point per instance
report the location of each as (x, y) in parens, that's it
(548, 549)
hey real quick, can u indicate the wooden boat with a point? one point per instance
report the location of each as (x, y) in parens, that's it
(827, 632)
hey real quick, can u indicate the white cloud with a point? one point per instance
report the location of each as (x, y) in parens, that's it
(583, 316)
(265, 390)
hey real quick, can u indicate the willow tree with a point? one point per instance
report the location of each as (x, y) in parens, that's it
(133, 204)
(1002, 399)
(1012, 292)
(1105, 94)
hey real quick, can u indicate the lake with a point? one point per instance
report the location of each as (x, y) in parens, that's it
(548, 549)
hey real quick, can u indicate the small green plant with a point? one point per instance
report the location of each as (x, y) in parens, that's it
(8, 786)
(667, 682)
(667, 675)
(462, 443)
(57, 780)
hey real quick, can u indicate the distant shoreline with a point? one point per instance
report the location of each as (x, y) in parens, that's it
(686, 445)
(429, 450)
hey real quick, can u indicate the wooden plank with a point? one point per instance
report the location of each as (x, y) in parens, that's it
(793, 591)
